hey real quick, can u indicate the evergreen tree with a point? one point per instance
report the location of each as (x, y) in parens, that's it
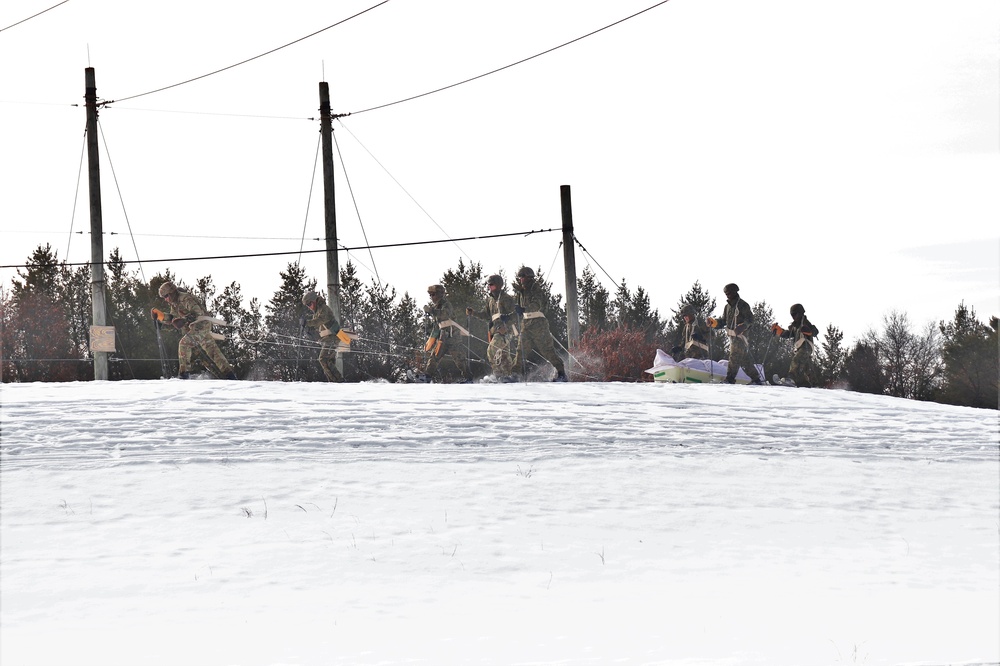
(466, 288)
(408, 333)
(765, 348)
(352, 296)
(241, 347)
(594, 303)
(129, 301)
(831, 357)
(42, 346)
(970, 356)
(862, 369)
(372, 355)
(296, 360)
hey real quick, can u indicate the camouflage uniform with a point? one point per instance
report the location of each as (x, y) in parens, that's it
(499, 311)
(324, 321)
(445, 344)
(534, 336)
(197, 333)
(736, 318)
(692, 338)
(802, 370)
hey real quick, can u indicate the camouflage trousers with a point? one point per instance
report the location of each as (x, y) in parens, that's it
(802, 370)
(328, 359)
(200, 338)
(534, 343)
(499, 354)
(739, 357)
(451, 360)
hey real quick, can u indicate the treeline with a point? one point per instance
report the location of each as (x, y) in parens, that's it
(45, 318)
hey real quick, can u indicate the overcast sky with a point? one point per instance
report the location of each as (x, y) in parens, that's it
(843, 156)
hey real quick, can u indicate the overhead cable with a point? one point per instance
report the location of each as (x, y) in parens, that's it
(513, 64)
(256, 57)
(278, 254)
(34, 15)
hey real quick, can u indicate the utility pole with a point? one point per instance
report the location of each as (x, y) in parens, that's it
(100, 311)
(330, 209)
(569, 263)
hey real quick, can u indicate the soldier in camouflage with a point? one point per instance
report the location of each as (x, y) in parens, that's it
(500, 313)
(326, 324)
(802, 370)
(692, 338)
(448, 355)
(187, 314)
(736, 319)
(535, 337)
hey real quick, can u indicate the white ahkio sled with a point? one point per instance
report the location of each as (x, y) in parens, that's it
(694, 371)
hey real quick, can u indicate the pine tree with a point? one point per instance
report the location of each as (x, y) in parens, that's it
(831, 357)
(285, 311)
(971, 358)
(408, 334)
(241, 346)
(594, 302)
(129, 301)
(862, 368)
(765, 348)
(43, 346)
(466, 288)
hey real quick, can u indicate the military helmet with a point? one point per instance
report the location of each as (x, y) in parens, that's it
(731, 287)
(495, 280)
(167, 288)
(797, 310)
(687, 311)
(525, 272)
(436, 290)
(309, 297)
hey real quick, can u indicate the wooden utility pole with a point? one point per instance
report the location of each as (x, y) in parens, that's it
(569, 263)
(330, 209)
(100, 311)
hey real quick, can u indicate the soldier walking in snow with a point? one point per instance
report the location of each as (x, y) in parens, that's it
(445, 342)
(500, 312)
(736, 319)
(534, 336)
(324, 321)
(187, 314)
(692, 338)
(802, 370)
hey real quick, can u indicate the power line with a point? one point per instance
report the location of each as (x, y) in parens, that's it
(243, 62)
(34, 15)
(278, 254)
(513, 64)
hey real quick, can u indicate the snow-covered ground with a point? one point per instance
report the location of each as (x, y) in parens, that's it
(211, 522)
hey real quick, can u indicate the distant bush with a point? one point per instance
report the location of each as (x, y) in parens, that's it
(618, 355)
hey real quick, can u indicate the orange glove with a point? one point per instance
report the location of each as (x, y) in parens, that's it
(777, 329)
(157, 314)
(712, 322)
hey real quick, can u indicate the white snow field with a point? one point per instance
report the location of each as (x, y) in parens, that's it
(245, 523)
